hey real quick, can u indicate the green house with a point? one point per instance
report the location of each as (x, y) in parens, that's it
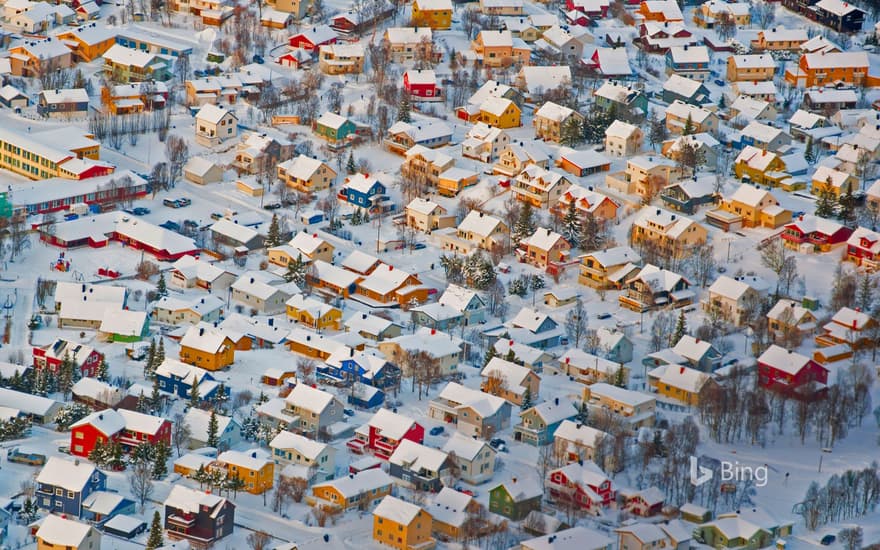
(333, 127)
(5, 205)
(514, 499)
(125, 325)
(732, 532)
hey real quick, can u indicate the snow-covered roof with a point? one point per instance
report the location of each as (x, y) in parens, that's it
(109, 422)
(57, 531)
(407, 35)
(681, 377)
(753, 61)
(851, 318)
(309, 398)
(521, 489)
(253, 459)
(530, 319)
(543, 239)
(836, 60)
(449, 507)
(689, 54)
(318, 34)
(198, 421)
(123, 322)
(304, 446)
(95, 389)
(479, 223)
(682, 110)
(578, 434)
(621, 395)
(204, 338)
(788, 361)
(541, 78)
(396, 510)
(513, 375)
(465, 447)
(620, 129)
(359, 483)
(67, 474)
(758, 159)
(485, 404)
(837, 7)
(683, 86)
(576, 538)
(191, 500)
(415, 456)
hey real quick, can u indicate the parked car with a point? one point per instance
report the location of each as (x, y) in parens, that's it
(258, 59)
(418, 246)
(272, 206)
(191, 224)
(172, 203)
(828, 540)
(497, 442)
(348, 412)
(170, 225)
(216, 215)
(184, 201)
(720, 82)
(437, 430)
(140, 211)
(604, 315)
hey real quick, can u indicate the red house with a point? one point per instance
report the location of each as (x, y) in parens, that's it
(645, 503)
(86, 358)
(785, 370)
(863, 248)
(313, 38)
(129, 428)
(384, 432)
(421, 84)
(585, 484)
(596, 9)
(656, 37)
(818, 232)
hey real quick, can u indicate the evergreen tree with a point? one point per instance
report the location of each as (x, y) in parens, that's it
(572, 132)
(825, 204)
(571, 225)
(116, 457)
(809, 154)
(65, 375)
(847, 208)
(296, 271)
(103, 371)
(583, 414)
(213, 434)
(680, 329)
(194, 397)
(620, 378)
(273, 236)
(404, 109)
(525, 224)
(150, 363)
(97, 454)
(688, 126)
(160, 355)
(155, 539)
(156, 395)
(490, 353)
(161, 286)
(355, 217)
(161, 454)
(350, 166)
(511, 356)
(721, 102)
(526, 400)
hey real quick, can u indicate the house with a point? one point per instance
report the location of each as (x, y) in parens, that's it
(575, 537)
(29, 57)
(331, 281)
(828, 100)
(576, 442)
(750, 67)
(588, 368)
(336, 59)
(687, 196)
(189, 272)
(670, 235)
(87, 359)
(384, 432)
(13, 98)
(731, 299)
(228, 430)
(263, 292)
(656, 37)
(509, 381)
(88, 42)
(403, 136)
(313, 410)
(645, 175)
(680, 383)
(763, 90)
(388, 285)
(763, 518)
(663, 11)
(408, 43)
(474, 457)
(484, 143)
(425, 215)
(259, 152)
(63, 485)
(419, 467)
(215, 124)
(749, 109)
(532, 328)
(499, 112)
(134, 98)
(130, 65)
(58, 531)
(297, 450)
(400, 524)
(434, 14)
(476, 230)
(584, 485)
(313, 313)
(551, 118)
(710, 13)
(623, 139)
(586, 202)
(188, 311)
(40, 410)
(104, 508)
(545, 249)
(334, 128)
(763, 136)
(307, 246)
(514, 499)
(202, 171)
(371, 327)
(360, 490)
(253, 467)
(178, 378)
(207, 348)
(449, 510)
(96, 394)
(197, 516)
(500, 48)
(679, 114)
(786, 370)
(367, 367)
(634, 409)
(814, 234)
(819, 69)
(787, 317)
(474, 413)
(63, 103)
(124, 326)
(537, 424)
(534, 82)
(501, 7)
(732, 533)
(312, 38)
(688, 61)
(749, 206)
(847, 326)
(540, 187)
(421, 85)
(561, 296)
(780, 38)
(366, 192)
(835, 182)
(757, 165)
(863, 248)
(649, 502)
(426, 166)
(610, 63)
(128, 428)
(608, 268)
(306, 174)
(623, 99)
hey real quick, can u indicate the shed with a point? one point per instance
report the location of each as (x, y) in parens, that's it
(202, 171)
(124, 526)
(311, 216)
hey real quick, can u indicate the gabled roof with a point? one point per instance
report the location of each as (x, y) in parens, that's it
(309, 398)
(57, 531)
(204, 338)
(396, 510)
(361, 482)
(785, 360)
(415, 456)
(391, 424)
(66, 474)
(192, 500)
(553, 412)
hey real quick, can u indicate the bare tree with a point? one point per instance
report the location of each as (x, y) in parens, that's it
(576, 322)
(177, 153)
(140, 480)
(180, 432)
(258, 540)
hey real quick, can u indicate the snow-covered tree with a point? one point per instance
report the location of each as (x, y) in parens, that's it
(571, 225)
(273, 236)
(525, 224)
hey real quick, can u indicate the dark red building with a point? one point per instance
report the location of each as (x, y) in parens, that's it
(313, 38)
(583, 484)
(421, 84)
(785, 370)
(384, 432)
(822, 234)
(129, 428)
(85, 357)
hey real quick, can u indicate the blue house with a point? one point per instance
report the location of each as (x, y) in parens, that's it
(365, 397)
(370, 368)
(531, 328)
(63, 485)
(538, 424)
(100, 506)
(688, 61)
(366, 192)
(437, 316)
(177, 378)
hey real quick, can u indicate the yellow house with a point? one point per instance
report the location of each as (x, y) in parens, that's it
(425, 216)
(608, 268)
(544, 248)
(634, 408)
(757, 207)
(402, 525)
(436, 14)
(254, 467)
(306, 174)
(551, 118)
(539, 187)
(207, 348)
(425, 165)
(313, 313)
(709, 13)
(59, 532)
(683, 384)
(669, 234)
(309, 246)
(476, 230)
(645, 175)
(500, 48)
(500, 113)
(757, 164)
(751, 68)
(701, 120)
(833, 181)
(341, 59)
(361, 490)
(780, 38)
(448, 512)
(88, 42)
(452, 181)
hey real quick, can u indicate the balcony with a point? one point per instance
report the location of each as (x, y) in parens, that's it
(184, 520)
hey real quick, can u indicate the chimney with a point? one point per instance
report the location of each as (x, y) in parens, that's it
(556, 401)
(271, 322)
(201, 331)
(433, 331)
(513, 480)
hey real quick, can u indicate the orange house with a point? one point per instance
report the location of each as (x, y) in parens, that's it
(663, 11)
(387, 285)
(818, 69)
(207, 348)
(88, 42)
(500, 48)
